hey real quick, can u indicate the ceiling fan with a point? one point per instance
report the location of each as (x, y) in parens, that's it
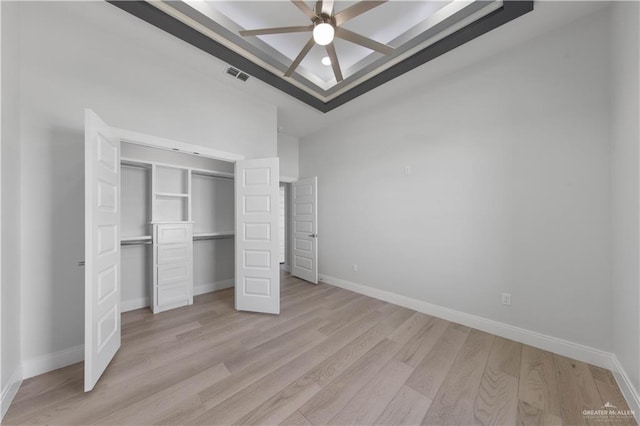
(325, 26)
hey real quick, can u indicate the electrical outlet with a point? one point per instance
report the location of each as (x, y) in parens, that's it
(506, 299)
(355, 267)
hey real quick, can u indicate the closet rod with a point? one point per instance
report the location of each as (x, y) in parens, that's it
(135, 242)
(211, 175)
(211, 237)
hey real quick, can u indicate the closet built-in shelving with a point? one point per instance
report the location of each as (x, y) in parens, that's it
(162, 199)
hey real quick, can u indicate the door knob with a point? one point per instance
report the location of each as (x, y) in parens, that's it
(313, 235)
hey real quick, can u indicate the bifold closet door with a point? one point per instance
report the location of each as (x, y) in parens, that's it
(257, 272)
(102, 248)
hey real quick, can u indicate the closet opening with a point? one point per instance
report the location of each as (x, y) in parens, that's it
(160, 227)
(177, 227)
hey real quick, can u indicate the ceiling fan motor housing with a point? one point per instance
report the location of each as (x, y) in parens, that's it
(323, 18)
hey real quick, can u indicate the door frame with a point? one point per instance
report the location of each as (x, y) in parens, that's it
(121, 135)
(176, 146)
(292, 234)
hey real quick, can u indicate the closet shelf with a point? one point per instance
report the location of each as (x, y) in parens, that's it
(164, 222)
(213, 235)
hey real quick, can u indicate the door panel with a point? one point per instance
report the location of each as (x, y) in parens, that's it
(304, 199)
(257, 270)
(102, 248)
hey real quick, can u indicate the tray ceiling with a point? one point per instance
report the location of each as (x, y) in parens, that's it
(416, 30)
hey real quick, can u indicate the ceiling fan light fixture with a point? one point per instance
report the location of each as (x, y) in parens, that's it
(323, 33)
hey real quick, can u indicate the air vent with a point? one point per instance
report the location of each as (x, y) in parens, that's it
(234, 72)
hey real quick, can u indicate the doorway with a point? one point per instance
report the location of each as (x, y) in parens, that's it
(256, 267)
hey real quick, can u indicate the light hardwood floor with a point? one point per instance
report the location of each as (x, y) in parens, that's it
(331, 357)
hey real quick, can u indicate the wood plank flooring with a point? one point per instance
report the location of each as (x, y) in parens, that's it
(331, 357)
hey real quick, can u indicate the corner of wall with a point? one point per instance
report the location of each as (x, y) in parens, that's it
(44, 363)
(288, 148)
(625, 384)
(10, 391)
(625, 185)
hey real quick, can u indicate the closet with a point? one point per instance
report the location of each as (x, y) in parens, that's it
(177, 227)
(166, 220)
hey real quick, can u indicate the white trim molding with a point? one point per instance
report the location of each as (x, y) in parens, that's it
(549, 343)
(215, 286)
(630, 393)
(15, 381)
(171, 145)
(143, 302)
(288, 179)
(532, 338)
(133, 304)
(49, 362)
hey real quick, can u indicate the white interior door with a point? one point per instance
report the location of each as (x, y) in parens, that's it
(304, 247)
(257, 286)
(102, 248)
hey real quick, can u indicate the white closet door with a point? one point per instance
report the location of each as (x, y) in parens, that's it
(304, 198)
(257, 277)
(102, 248)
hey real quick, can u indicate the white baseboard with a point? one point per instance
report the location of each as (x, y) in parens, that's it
(45, 363)
(630, 393)
(549, 343)
(532, 338)
(10, 391)
(144, 302)
(133, 304)
(208, 288)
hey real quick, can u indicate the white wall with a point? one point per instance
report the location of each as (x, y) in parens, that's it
(10, 292)
(509, 188)
(625, 48)
(90, 54)
(288, 154)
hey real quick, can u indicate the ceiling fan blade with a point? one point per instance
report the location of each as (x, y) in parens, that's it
(363, 41)
(307, 47)
(331, 50)
(280, 30)
(327, 7)
(300, 4)
(355, 10)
